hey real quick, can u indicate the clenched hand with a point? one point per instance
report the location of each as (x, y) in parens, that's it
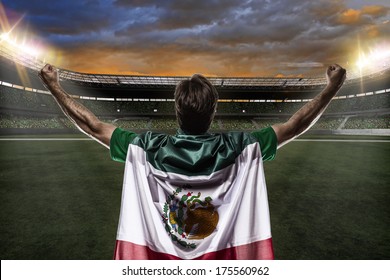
(49, 75)
(335, 75)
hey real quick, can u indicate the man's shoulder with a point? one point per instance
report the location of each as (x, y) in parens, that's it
(239, 136)
(152, 137)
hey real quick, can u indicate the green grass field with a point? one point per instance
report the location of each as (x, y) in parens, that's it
(328, 200)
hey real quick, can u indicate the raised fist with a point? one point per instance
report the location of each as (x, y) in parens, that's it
(335, 75)
(49, 75)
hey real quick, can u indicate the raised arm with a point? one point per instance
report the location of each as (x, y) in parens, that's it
(84, 119)
(307, 116)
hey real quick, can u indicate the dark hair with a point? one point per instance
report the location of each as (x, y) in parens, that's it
(195, 104)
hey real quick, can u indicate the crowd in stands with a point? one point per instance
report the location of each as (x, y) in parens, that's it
(19, 99)
(132, 123)
(158, 124)
(9, 121)
(379, 122)
(260, 123)
(161, 124)
(238, 124)
(363, 103)
(328, 123)
(28, 109)
(98, 107)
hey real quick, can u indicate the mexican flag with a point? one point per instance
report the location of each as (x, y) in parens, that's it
(194, 198)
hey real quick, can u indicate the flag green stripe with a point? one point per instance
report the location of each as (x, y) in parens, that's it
(192, 155)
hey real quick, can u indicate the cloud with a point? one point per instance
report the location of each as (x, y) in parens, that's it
(366, 15)
(177, 14)
(376, 11)
(351, 16)
(214, 37)
(64, 17)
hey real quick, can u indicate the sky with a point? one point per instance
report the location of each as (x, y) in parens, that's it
(265, 38)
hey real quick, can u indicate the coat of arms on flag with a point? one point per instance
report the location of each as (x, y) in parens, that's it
(189, 216)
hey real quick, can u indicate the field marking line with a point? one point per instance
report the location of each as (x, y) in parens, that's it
(298, 140)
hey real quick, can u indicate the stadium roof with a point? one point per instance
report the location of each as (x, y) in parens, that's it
(170, 81)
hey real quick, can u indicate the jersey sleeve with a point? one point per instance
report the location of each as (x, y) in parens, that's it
(119, 143)
(268, 142)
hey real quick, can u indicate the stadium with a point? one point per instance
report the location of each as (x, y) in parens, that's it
(60, 194)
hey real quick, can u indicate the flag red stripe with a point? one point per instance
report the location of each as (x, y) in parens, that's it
(260, 250)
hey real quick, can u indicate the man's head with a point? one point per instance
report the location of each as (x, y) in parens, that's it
(195, 103)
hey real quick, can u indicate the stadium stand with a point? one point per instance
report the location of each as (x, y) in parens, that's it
(26, 109)
(10, 121)
(146, 102)
(164, 124)
(379, 122)
(238, 124)
(132, 123)
(328, 123)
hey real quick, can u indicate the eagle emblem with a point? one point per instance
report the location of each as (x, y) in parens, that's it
(189, 217)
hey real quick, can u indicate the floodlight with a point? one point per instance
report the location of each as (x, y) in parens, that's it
(4, 36)
(377, 58)
(23, 48)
